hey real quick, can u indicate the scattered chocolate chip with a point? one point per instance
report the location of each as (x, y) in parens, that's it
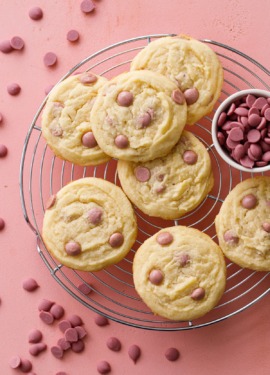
(104, 367)
(30, 284)
(50, 59)
(61, 373)
(57, 352)
(134, 352)
(64, 325)
(34, 336)
(114, 344)
(73, 36)
(17, 43)
(101, 320)
(63, 344)
(46, 317)
(35, 13)
(81, 332)
(71, 335)
(36, 349)
(15, 362)
(78, 346)
(3, 151)
(5, 46)
(2, 224)
(45, 305)
(13, 89)
(85, 288)
(87, 6)
(75, 320)
(57, 311)
(26, 365)
(172, 354)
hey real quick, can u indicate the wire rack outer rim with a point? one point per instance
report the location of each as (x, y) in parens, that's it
(36, 231)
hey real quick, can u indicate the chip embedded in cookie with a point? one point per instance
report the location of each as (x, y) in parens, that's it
(138, 116)
(66, 122)
(89, 224)
(179, 273)
(171, 186)
(243, 224)
(190, 63)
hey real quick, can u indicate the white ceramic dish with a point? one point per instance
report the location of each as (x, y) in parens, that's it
(223, 107)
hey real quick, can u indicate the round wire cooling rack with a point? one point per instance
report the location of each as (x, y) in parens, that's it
(112, 290)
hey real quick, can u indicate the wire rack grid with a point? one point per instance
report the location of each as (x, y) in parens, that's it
(112, 290)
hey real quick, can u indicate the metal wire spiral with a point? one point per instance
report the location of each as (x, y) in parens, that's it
(112, 290)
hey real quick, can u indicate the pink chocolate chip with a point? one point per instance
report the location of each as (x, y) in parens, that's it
(13, 89)
(253, 136)
(254, 120)
(134, 352)
(144, 120)
(63, 344)
(190, 157)
(71, 335)
(266, 156)
(191, 95)
(246, 162)
(2, 224)
(30, 284)
(26, 365)
(5, 46)
(88, 77)
(236, 134)
(50, 59)
(266, 227)
(57, 352)
(57, 311)
(3, 151)
(36, 349)
(46, 317)
(172, 354)
(75, 320)
(45, 305)
(103, 367)
(164, 238)
(178, 97)
(50, 202)
(256, 151)
(182, 259)
(142, 174)
(116, 239)
(125, 98)
(101, 320)
(73, 248)
(94, 216)
(17, 43)
(89, 140)
(61, 373)
(260, 102)
(15, 362)
(121, 141)
(249, 201)
(64, 325)
(85, 288)
(198, 294)
(73, 36)
(1, 117)
(34, 336)
(230, 238)
(81, 332)
(239, 152)
(114, 344)
(78, 346)
(156, 277)
(267, 114)
(222, 118)
(250, 99)
(87, 6)
(35, 13)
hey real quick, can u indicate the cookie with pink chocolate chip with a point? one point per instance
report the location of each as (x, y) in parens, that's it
(66, 124)
(171, 186)
(138, 116)
(243, 224)
(179, 273)
(89, 225)
(191, 64)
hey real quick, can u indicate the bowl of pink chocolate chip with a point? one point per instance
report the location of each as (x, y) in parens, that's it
(241, 130)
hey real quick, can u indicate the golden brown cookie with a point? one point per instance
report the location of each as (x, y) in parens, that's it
(191, 64)
(89, 224)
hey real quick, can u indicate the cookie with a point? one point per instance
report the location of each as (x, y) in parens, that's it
(89, 224)
(179, 273)
(170, 186)
(191, 64)
(138, 116)
(66, 122)
(243, 224)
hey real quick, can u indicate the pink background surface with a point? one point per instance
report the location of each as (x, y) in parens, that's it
(239, 345)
